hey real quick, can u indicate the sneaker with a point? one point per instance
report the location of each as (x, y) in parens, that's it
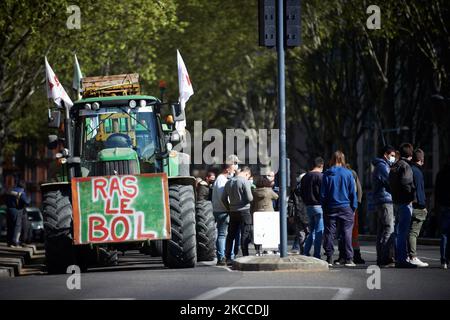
(405, 265)
(417, 262)
(444, 266)
(229, 262)
(349, 263)
(358, 260)
(330, 261)
(293, 251)
(221, 262)
(340, 261)
(15, 246)
(387, 265)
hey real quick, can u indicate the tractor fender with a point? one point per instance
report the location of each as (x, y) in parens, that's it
(60, 185)
(183, 180)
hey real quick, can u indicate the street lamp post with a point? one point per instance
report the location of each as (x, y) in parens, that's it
(398, 129)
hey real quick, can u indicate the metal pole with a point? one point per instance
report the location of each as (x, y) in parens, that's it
(282, 126)
(68, 143)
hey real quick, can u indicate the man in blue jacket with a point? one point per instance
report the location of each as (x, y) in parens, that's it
(16, 201)
(384, 209)
(339, 202)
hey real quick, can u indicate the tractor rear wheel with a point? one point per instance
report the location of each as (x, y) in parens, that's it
(180, 251)
(59, 251)
(156, 248)
(206, 231)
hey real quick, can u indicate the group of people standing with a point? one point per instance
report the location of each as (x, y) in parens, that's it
(236, 195)
(330, 200)
(401, 208)
(324, 208)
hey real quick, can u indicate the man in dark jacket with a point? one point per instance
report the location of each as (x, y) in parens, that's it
(339, 203)
(16, 201)
(419, 208)
(442, 198)
(310, 193)
(384, 209)
(297, 213)
(401, 181)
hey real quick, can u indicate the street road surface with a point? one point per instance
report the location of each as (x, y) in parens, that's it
(142, 277)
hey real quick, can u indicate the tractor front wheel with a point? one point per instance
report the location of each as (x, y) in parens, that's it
(59, 251)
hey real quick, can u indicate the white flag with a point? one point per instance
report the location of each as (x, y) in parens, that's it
(55, 90)
(77, 75)
(185, 87)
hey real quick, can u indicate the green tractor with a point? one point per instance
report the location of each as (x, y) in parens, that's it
(121, 186)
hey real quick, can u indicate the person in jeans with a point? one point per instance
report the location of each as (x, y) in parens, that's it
(442, 200)
(401, 181)
(16, 201)
(220, 211)
(310, 193)
(384, 208)
(419, 213)
(339, 202)
(237, 196)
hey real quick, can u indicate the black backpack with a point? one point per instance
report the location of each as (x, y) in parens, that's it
(395, 174)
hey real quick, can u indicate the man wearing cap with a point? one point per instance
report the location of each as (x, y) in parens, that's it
(237, 195)
(220, 211)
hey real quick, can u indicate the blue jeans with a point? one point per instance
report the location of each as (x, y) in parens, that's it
(402, 226)
(445, 234)
(315, 215)
(222, 220)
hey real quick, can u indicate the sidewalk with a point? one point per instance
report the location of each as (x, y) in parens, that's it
(26, 260)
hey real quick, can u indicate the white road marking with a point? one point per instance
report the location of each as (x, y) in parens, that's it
(341, 294)
(110, 299)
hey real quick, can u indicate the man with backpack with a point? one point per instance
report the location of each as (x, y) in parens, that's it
(401, 181)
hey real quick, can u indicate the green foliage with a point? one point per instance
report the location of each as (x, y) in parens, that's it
(343, 81)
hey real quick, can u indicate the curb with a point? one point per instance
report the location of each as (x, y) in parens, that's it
(275, 263)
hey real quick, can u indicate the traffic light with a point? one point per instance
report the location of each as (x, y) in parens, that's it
(292, 23)
(267, 18)
(267, 23)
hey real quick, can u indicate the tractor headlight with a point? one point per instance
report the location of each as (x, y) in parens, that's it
(87, 106)
(142, 103)
(132, 104)
(95, 106)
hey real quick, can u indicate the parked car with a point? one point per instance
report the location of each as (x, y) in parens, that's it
(36, 224)
(2, 222)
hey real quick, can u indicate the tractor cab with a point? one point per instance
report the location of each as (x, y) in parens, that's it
(118, 133)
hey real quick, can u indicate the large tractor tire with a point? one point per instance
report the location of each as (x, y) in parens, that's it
(59, 250)
(180, 251)
(206, 231)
